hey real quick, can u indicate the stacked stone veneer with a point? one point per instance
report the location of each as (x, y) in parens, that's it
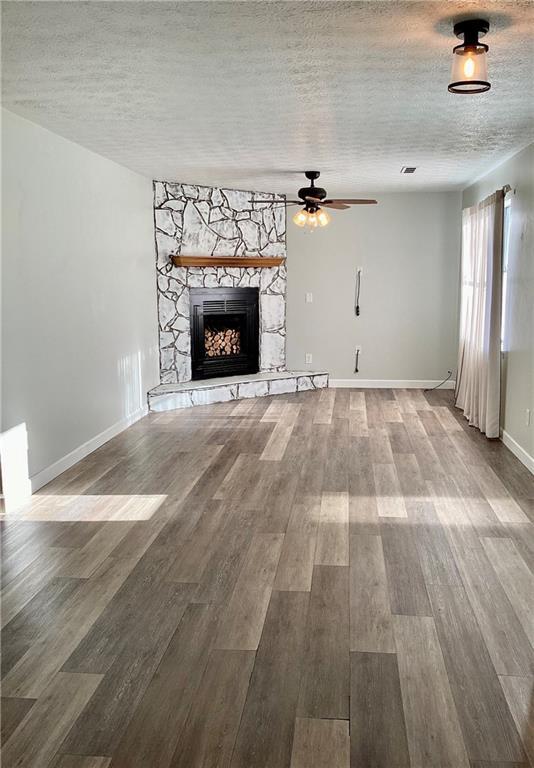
(193, 220)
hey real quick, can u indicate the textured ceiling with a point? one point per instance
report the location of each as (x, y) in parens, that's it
(246, 94)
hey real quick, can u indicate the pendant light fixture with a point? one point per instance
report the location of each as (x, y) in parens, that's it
(469, 64)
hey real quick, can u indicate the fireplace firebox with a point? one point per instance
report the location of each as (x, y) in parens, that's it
(224, 331)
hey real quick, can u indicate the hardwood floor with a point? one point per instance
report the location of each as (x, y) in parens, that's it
(338, 578)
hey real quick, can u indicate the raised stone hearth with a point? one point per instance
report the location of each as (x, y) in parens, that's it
(194, 220)
(168, 397)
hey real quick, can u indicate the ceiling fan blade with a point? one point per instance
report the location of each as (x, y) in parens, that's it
(276, 202)
(345, 202)
(351, 201)
(336, 205)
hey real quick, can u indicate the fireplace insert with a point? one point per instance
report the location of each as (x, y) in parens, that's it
(224, 331)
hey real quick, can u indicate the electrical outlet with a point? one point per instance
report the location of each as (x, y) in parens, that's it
(527, 417)
(308, 358)
(309, 298)
(358, 348)
(360, 270)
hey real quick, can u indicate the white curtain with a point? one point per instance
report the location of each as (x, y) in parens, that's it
(478, 380)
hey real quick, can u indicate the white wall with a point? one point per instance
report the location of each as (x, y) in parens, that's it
(518, 382)
(408, 246)
(79, 327)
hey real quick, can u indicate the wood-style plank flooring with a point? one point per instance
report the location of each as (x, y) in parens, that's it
(322, 580)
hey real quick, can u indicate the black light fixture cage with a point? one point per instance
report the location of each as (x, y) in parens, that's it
(469, 69)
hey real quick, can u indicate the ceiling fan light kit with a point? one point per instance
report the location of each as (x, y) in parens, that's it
(469, 60)
(305, 218)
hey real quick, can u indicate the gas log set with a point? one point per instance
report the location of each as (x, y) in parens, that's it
(222, 342)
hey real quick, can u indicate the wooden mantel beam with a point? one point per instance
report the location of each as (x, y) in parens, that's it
(227, 261)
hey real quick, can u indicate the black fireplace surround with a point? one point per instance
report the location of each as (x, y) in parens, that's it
(224, 331)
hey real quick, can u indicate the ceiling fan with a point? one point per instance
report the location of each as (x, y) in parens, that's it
(314, 200)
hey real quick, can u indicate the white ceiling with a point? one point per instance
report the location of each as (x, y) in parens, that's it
(246, 94)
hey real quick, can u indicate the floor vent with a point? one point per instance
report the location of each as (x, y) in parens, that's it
(408, 169)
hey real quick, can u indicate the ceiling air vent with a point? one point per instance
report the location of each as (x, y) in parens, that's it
(408, 169)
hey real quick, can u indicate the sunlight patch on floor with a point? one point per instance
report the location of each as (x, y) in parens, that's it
(103, 508)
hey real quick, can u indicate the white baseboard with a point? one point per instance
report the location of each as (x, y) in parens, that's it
(390, 383)
(524, 457)
(59, 466)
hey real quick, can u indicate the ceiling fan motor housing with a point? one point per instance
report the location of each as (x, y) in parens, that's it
(311, 191)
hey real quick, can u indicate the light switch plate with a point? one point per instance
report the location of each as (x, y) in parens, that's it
(309, 298)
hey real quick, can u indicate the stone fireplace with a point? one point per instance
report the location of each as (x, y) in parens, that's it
(192, 220)
(222, 325)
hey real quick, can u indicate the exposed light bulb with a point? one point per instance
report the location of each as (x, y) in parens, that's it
(300, 218)
(469, 67)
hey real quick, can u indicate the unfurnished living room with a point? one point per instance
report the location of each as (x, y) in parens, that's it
(267, 384)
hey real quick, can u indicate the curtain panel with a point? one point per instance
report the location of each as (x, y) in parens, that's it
(478, 381)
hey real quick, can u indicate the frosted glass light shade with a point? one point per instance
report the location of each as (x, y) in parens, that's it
(323, 218)
(311, 219)
(300, 218)
(469, 69)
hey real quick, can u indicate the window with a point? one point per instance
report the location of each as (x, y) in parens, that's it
(505, 253)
